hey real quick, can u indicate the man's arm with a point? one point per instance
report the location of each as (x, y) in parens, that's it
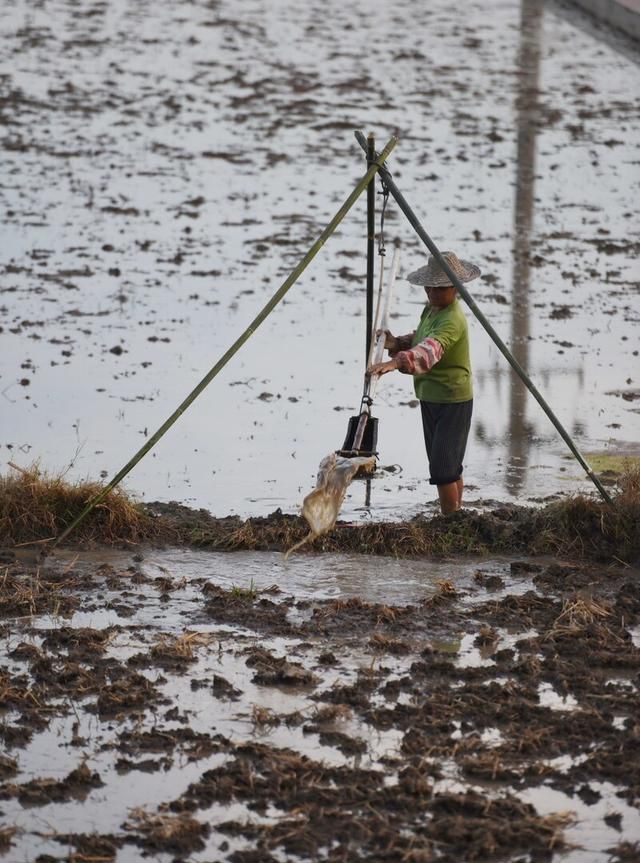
(399, 343)
(419, 359)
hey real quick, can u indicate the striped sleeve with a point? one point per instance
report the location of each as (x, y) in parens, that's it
(421, 358)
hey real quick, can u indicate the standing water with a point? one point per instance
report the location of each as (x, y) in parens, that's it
(167, 165)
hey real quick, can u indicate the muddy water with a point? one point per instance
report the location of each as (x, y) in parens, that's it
(144, 755)
(166, 165)
(326, 576)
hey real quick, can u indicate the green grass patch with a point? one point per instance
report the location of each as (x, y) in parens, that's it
(612, 464)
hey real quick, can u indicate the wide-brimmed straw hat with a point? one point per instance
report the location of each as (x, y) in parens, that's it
(432, 274)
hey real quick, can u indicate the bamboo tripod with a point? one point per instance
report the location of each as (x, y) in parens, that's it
(375, 165)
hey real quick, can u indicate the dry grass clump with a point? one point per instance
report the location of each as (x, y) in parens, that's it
(264, 717)
(588, 527)
(580, 612)
(181, 647)
(629, 484)
(7, 835)
(22, 596)
(171, 833)
(624, 852)
(332, 713)
(385, 644)
(582, 616)
(35, 505)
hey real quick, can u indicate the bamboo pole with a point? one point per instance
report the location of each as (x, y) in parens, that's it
(466, 296)
(253, 326)
(371, 235)
(377, 349)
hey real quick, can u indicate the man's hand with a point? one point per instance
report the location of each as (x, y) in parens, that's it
(390, 341)
(382, 368)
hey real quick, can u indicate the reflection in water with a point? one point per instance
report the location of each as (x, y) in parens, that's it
(527, 110)
(522, 433)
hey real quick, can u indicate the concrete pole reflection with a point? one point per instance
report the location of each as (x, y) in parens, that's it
(527, 116)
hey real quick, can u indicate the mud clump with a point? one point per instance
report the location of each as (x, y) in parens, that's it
(355, 806)
(231, 606)
(278, 671)
(170, 834)
(130, 694)
(41, 792)
(91, 846)
(23, 594)
(578, 527)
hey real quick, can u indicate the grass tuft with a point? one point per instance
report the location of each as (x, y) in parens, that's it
(36, 506)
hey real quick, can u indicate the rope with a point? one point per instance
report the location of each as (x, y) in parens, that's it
(385, 199)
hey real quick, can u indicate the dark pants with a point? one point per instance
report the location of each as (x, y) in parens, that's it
(446, 429)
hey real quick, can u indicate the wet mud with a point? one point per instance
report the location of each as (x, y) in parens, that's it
(580, 527)
(495, 718)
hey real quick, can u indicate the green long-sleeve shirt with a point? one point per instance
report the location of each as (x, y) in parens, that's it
(449, 380)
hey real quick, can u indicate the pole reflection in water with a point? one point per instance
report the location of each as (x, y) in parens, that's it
(527, 114)
(367, 494)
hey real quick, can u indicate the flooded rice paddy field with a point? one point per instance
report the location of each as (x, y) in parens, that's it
(185, 705)
(166, 165)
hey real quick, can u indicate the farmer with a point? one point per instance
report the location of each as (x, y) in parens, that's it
(437, 355)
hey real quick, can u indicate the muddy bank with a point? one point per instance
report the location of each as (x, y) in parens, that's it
(491, 718)
(35, 509)
(578, 527)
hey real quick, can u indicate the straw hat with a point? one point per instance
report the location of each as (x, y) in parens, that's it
(432, 275)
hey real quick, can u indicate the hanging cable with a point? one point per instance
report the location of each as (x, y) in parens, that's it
(385, 199)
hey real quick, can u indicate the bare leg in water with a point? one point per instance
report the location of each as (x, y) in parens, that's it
(451, 496)
(448, 495)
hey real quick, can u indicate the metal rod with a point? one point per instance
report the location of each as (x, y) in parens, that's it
(371, 231)
(267, 309)
(376, 317)
(466, 296)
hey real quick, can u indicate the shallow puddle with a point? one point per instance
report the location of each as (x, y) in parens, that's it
(312, 576)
